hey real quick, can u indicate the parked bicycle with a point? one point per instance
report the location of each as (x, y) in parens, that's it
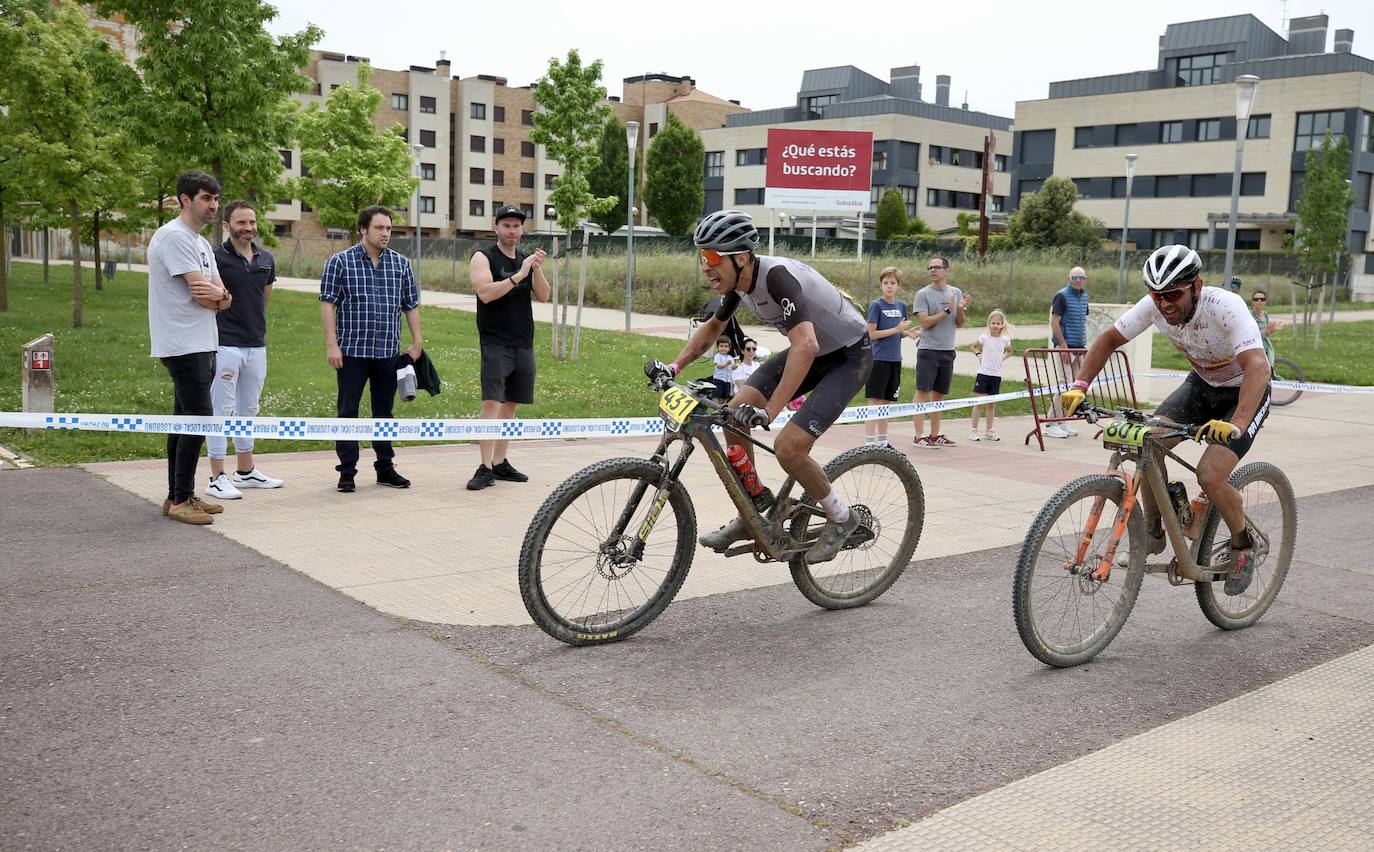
(610, 547)
(1079, 572)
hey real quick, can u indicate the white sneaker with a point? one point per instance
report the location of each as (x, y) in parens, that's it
(1055, 430)
(990, 435)
(255, 479)
(221, 487)
(1067, 428)
(973, 435)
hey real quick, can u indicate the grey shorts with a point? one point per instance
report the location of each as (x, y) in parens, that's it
(507, 373)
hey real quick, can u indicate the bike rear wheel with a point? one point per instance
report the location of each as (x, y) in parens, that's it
(1063, 615)
(881, 485)
(1286, 370)
(1271, 511)
(584, 586)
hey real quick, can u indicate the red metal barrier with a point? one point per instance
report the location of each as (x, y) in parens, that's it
(1049, 372)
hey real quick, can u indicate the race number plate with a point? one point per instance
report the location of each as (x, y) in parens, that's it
(674, 407)
(1122, 434)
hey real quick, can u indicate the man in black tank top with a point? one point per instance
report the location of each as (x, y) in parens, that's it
(505, 280)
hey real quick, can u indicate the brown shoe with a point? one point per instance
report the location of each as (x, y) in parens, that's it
(166, 506)
(206, 506)
(189, 513)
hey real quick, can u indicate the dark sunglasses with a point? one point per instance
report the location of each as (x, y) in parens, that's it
(1259, 298)
(1169, 295)
(750, 349)
(1078, 278)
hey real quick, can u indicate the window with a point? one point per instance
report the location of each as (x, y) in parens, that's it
(1200, 70)
(548, 181)
(333, 86)
(498, 178)
(498, 145)
(1251, 183)
(1083, 137)
(426, 204)
(400, 101)
(306, 208)
(1171, 186)
(875, 194)
(476, 175)
(1361, 187)
(1247, 239)
(879, 161)
(742, 157)
(1313, 126)
(526, 148)
(477, 207)
(427, 138)
(527, 117)
(1118, 187)
(909, 199)
(1037, 146)
(426, 171)
(653, 129)
(1170, 131)
(498, 113)
(1124, 134)
(281, 229)
(1295, 190)
(715, 164)
(1258, 128)
(528, 210)
(1366, 132)
(999, 163)
(527, 180)
(427, 104)
(477, 111)
(285, 159)
(814, 104)
(748, 196)
(1208, 130)
(477, 144)
(305, 170)
(1207, 185)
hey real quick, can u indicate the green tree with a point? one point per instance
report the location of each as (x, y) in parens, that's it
(675, 183)
(21, 59)
(610, 177)
(569, 128)
(1323, 206)
(918, 227)
(219, 88)
(352, 162)
(1047, 219)
(891, 221)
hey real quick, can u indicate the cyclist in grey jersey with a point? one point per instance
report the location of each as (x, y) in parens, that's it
(829, 359)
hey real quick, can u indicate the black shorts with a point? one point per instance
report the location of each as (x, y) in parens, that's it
(885, 380)
(934, 370)
(507, 373)
(983, 383)
(831, 383)
(1195, 401)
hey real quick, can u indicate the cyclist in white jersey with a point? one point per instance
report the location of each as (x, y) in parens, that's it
(1227, 389)
(829, 359)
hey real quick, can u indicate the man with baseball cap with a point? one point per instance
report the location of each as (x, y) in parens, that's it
(504, 279)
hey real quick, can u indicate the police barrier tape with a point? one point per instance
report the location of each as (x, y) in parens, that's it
(425, 429)
(1314, 387)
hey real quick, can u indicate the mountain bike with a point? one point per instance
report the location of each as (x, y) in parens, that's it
(1081, 566)
(608, 550)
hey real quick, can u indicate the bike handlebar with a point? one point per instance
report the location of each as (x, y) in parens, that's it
(1169, 428)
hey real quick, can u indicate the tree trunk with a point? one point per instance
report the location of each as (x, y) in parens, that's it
(217, 229)
(76, 263)
(95, 248)
(4, 263)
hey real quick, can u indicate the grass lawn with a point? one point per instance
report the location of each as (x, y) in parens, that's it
(1346, 356)
(103, 367)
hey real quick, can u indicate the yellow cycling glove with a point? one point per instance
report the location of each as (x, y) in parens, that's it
(1217, 431)
(1070, 400)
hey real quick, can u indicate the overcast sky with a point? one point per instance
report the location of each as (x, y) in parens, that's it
(755, 52)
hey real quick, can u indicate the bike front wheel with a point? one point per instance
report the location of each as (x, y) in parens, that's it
(1066, 617)
(881, 485)
(1272, 516)
(582, 582)
(1286, 370)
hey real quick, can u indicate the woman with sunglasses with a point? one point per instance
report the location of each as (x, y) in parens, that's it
(1227, 389)
(829, 358)
(1259, 304)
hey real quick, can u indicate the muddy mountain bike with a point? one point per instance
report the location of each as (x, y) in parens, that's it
(1081, 566)
(610, 547)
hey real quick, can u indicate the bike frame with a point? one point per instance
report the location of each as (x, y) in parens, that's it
(770, 542)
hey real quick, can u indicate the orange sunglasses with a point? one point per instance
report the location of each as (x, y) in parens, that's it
(713, 258)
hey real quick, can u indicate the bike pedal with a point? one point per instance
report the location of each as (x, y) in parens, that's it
(738, 549)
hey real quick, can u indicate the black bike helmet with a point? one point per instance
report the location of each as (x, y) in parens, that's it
(1170, 267)
(726, 231)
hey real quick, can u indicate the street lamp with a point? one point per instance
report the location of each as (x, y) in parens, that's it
(1125, 229)
(1246, 87)
(419, 173)
(631, 137)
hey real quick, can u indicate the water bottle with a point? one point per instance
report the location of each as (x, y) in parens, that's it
(749, 478)
(1198, 509)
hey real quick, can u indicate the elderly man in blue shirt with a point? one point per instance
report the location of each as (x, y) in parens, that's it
(363, 292)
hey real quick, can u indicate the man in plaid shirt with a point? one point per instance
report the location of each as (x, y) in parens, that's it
(363, 291)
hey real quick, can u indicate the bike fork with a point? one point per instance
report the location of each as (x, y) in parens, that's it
(661, 495)
(1103, 569)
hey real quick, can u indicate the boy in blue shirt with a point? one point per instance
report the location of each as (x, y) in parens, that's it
(889, 319)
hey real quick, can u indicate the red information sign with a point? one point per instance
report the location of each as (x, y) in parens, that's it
(41, 360)
(819, 169)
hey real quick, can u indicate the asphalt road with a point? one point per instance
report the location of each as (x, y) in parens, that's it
(162, 686)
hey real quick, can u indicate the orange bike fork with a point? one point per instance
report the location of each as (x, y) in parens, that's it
(1103, 569)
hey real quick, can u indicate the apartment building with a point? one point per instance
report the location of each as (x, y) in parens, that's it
(473, 134)
(932, 153)
(1180, 119)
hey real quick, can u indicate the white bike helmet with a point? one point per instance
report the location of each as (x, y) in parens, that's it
(727, 231)
(1170, 267)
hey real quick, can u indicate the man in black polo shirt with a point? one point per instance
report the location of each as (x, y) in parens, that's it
(504, 279)
(248, 271)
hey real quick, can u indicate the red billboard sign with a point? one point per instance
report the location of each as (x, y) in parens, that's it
(819, 169)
